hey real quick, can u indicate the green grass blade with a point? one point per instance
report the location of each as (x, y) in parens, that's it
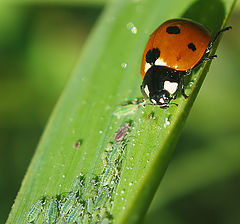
(195, 177)
(108, 75)
(93, 3)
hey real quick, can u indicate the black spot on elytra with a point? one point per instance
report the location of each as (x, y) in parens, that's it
(173, 30)
(152, 56)
(192, 47)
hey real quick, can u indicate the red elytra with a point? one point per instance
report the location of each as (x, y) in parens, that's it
(180, 50)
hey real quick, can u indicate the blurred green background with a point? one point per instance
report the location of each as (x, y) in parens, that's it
(39, 47)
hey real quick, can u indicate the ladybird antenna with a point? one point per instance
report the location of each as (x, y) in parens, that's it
(221, 31)
(149, 104)
(142, 103)
(162, 106)
(174, 104)
(216, 37)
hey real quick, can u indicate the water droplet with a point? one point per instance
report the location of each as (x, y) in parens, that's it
(63, 176)
(124, 65)
(122, 192)
(100, 132)
(132, 28)
(124, 207)
(167, 122)
(130, 25)
(191, 84)
(60, 185)
(130, 184)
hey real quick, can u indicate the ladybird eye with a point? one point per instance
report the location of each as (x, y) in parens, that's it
(152, 55)
(192, 47)
(173, 30)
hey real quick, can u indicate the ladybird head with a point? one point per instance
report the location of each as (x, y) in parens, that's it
(161, 98)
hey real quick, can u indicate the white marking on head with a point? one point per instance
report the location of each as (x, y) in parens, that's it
(154, 101)
(161, 100)
(146, 67)
(146, 90)
(171, 87)
(160, 62)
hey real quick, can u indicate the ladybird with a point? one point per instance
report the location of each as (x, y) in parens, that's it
(173, 50)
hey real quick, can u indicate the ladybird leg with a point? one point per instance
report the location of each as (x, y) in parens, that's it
(174, 96)
(182, 86)
(209, 58)
(206, 58)
(215, 38)
(145, 96)
(188, 72)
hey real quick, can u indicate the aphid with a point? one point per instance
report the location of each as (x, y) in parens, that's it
(109, 205)
(107, 175)
(52, 211)
(35, 211)
(114, 153)
(68, 204)
(86, 219)
(106, 221)
(78, 183)
(90, 189)
(126, 110)
(75, 214)
(104, 157)
(77, 144)
(101, 199)
(95, 216)
(108, 147)
(122, 132)
(103, 213)
(150, 116)
(90, 206)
